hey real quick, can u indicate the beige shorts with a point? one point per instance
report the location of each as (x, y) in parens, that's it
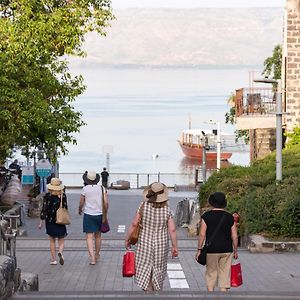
(218, 269)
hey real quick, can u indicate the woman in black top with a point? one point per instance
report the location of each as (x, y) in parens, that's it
(223, 241)
(51, 203)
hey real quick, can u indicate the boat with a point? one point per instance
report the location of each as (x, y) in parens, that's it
(193, 141)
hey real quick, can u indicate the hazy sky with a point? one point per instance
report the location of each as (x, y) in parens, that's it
(197, 3)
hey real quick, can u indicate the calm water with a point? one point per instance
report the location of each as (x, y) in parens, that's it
(141, 113)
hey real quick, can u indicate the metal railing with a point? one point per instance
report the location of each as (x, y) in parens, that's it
(8, 243)
(136, 180)
(255, 101)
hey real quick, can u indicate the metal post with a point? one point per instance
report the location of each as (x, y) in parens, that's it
(278, 132)
(107, 162)
(204, 160)
(218, 147)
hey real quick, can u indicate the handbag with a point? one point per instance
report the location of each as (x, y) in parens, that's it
(201, 259)
(236, 275)
(62, 214)
(105, 225)
(128, 264)
(134, 237)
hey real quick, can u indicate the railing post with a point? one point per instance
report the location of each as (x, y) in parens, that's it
(148, 179)
(137, 181)
(158, 177)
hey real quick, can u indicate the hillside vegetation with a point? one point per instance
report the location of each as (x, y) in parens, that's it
(265, 208)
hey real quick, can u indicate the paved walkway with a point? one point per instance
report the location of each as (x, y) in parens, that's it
(262, 273)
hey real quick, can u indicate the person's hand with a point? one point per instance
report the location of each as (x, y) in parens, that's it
(197, 254)
(174, 252)
(40, 225)
(127, 245)
(235, 254)
(79, 211)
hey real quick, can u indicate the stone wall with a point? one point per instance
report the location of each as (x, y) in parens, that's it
(292, 42)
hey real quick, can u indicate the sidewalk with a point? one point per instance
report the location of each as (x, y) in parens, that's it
(261, 272)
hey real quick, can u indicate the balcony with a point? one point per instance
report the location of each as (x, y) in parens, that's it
(255, 108)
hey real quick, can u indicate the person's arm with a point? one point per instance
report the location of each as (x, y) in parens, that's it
(134, 223)
(43, 213)
(202, 236)
(81, 204)
(64, 201)
(105, 199)
(234, 237)
(173, 236)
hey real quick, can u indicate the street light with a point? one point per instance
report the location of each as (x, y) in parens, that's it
(278, 124)
(218, 142)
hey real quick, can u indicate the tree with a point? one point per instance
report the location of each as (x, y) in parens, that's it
(273, 63)
(36, 88)
(230, 118)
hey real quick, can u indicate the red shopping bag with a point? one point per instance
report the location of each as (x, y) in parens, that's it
(128, 264)
(236, 275)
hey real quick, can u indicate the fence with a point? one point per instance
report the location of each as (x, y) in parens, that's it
(137, 180)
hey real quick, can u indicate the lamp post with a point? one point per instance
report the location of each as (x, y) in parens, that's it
(279, 114)
(218, 143)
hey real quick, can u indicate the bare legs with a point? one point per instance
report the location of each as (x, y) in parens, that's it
(61, 246)
(52, 248)
(90, 245)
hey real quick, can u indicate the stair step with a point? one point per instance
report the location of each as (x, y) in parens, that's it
(128, 295)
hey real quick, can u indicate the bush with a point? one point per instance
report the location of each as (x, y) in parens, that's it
(264, 207)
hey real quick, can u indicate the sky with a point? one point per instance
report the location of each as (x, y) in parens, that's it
(197, 3)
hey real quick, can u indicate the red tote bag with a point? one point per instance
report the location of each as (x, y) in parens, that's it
(236, 275)
(128, 264)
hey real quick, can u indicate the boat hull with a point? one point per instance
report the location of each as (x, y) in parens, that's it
(197, 152)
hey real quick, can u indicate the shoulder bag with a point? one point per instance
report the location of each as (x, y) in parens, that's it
(105, 225)
(202, 256)
(136, 232)
(62, 214)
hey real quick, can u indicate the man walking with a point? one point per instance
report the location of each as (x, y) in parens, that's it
(104, 177)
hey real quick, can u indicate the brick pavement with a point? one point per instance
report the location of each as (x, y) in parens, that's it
(278, 272)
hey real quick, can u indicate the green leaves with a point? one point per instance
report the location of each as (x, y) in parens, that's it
(265, 207)
(273, 63)
(36, 88)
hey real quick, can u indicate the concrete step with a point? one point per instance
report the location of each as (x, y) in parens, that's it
(87, 295)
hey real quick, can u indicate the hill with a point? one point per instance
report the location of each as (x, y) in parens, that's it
(186, 38)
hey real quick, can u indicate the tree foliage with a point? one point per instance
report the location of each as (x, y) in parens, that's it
(273, 63)
(264, 206)
(36, 89)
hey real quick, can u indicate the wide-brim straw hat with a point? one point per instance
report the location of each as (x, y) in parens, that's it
(217, 200)
(91, 177)
(55, 184)
(157, 191)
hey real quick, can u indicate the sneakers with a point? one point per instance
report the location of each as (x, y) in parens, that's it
(53, 263)
(61, 258)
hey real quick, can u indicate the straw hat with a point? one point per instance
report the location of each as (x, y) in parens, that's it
(217, 200)
(91, 177)
(156, 192)
(55, 184)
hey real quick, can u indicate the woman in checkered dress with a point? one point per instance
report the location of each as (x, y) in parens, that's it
(157, 224)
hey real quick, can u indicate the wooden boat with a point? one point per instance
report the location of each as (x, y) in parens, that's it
(193, 141)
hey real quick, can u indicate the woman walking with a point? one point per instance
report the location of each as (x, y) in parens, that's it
(219, 229)
(153, 244)
(51, 203)
(91, 205)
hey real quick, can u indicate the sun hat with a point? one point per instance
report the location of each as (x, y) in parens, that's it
(217, 200)
(91, 177)
(156, 192)
(55, 184)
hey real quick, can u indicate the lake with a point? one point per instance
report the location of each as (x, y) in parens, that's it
(140, 113)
